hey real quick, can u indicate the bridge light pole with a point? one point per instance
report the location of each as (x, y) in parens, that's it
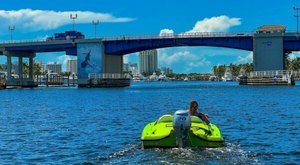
(73, 17)
(95, 23)
(11, 29)
(296, 14)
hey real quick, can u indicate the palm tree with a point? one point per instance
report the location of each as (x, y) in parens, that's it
(25, 68)
(235, 69)
(37, 69)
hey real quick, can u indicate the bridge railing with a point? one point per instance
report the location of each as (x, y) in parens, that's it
(108, 76)
(271, 73)
(182, 35)
(136, 37)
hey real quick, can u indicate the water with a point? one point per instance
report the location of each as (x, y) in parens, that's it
(103, 126)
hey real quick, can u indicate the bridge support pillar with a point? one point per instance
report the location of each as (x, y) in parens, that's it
(268, 51)
(31, 68)
(97, 69)
(113, 64)
(8, 67)
(20, 70)
(21, 80)
(89, 61)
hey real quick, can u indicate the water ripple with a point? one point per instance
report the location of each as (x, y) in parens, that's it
(103, 126)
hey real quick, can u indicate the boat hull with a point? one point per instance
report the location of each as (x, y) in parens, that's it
(161, 135)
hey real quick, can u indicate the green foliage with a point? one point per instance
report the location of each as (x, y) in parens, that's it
(219, 71)
(37, 69)
(293, 64)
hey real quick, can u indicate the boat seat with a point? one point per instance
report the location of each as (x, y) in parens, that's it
(165, 118)
(195, 119)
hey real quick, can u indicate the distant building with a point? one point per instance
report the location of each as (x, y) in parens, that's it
(134, 68)
(130, 67)
(72, 66)
(44, 68)
(148, 61)
(126, 67)
(166, 70)
(53, 68)
(15, 67)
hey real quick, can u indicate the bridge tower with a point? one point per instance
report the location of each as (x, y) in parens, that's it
(268, 52)
(91, 59)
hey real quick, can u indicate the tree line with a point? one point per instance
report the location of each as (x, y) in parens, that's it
(219, 70)
(36, 69)
(235, 69)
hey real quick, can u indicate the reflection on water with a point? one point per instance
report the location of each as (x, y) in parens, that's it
(70, 126)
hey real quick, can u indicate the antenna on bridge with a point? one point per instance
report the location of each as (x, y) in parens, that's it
(73, 17)
(296, 14)
(95, 23)
(11, 29)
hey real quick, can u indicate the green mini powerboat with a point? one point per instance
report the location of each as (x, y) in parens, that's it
(181, 130)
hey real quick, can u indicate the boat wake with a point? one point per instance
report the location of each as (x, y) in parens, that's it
(230, 154)
(133, 153)
(120, 156)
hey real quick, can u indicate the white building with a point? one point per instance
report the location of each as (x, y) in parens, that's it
(72, 66)
(148, 61)
(53, 68)
(131, 67)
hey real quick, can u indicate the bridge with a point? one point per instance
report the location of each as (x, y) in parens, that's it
(104, 55)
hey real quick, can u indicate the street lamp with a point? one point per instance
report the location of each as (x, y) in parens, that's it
(95, 23)
(11, 29)
(296, 14)
(73, 17)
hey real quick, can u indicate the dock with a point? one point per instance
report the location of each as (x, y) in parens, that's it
(106, 80)
(274, 77)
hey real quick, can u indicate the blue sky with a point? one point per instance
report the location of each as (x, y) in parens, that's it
(37, 19)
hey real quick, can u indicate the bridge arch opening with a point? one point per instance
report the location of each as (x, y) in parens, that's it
(196, 59)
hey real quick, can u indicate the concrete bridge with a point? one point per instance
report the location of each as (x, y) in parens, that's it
(104, 55)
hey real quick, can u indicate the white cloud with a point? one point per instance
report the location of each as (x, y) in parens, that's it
(63, 60)
(294, 55)
(215, 24)
(246, 59)
(176, 57)
(200, 62)
(166, 32)
(35, 20)
(187, 60)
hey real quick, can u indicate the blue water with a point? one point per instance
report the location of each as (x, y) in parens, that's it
(261, 124)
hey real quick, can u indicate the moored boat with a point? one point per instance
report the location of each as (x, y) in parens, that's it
(181, 130)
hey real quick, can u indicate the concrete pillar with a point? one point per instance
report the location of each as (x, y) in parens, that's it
(89, 61)
(8, 67)
(20, 68)
(268, 51)
(30, 67)
(113, 64)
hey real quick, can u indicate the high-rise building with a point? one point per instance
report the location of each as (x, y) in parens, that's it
(148, 61)
(53, 68)
(72, 66)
